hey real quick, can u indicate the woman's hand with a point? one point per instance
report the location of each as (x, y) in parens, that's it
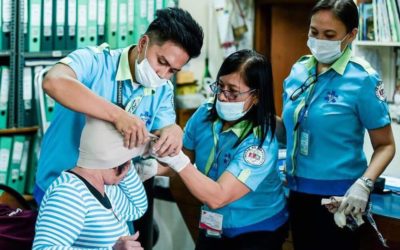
(128, 243)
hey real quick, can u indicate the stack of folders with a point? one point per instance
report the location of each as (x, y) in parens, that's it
(18, 160)
(5, 27)
(70, 24)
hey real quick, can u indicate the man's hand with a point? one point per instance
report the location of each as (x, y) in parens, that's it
(170, 141)
(132, 128)
(128, 243)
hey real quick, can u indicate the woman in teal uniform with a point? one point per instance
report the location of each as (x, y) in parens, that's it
(330, 99)
(231, 141)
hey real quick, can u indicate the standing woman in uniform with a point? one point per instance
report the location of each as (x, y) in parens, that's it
(231, 140)
(330, 99)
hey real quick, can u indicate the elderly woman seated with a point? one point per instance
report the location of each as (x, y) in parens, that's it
(89, 205)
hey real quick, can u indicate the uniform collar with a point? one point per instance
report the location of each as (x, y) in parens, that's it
(124, 72)
(242, 128)
(339, 66)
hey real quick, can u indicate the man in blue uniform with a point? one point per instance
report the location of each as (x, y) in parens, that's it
(126, 87)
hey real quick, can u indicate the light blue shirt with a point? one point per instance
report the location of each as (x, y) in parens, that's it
(71, 217)
(264, 207)
(99, 69)
(347, 99)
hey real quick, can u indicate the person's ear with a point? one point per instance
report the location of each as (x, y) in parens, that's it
(142, 44)
(353, 35)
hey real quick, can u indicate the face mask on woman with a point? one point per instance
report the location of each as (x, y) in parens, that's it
(145, 74)
(230, 111)
(325, 51)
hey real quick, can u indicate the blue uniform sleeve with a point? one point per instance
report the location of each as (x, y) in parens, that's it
(166, 113)
(190, 131)
(371, 105)
(251, 165)
(85, 63)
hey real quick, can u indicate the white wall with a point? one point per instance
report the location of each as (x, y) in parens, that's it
(200, 11)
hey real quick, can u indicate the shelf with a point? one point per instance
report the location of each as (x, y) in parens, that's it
(4, 53)
(376, 44)
(46, 54)
(11, 131)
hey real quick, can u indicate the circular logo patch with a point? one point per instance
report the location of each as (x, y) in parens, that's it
(254, 155)
(380, 92)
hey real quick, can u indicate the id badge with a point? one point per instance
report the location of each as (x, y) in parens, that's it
(211, 222)
(304, 142)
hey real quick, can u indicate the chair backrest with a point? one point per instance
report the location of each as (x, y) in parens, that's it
(12, 198)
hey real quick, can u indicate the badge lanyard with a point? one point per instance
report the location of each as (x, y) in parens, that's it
(133, 104)
(300, 113)
(213, 157)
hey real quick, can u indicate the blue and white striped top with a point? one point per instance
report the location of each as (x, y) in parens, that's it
(70, 217)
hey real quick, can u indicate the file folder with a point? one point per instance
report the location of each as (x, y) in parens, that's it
(14, 166)
(49, 108)
(47, 19)
(111, 23)
(101, 21)
(25, 25)
(150, 11)
(82, 24)
(5, 156)
(34, 30)
(33, 157)
(4, 88)
(158, 4)
(131, 17)
(71, 24)
(5, 23)
(92, 23)
(59, 12)
(23, 167)
(140, 21)
(122, 31)
(28, 100)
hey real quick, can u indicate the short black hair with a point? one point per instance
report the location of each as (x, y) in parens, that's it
(256, 72)
(178, 26)
(345, 10)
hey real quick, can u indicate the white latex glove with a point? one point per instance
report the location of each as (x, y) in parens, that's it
(146, 168)
(177, 163)
(356, 199)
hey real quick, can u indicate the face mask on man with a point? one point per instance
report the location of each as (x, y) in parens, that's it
(145, 74)
(325, 51)
(230, 111)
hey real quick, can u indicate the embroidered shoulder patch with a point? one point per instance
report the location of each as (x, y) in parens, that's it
(254, 155)
(380, 92)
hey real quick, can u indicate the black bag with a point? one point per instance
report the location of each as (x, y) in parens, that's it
(17, 225)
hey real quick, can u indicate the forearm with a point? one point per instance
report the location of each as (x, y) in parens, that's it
(380, 160)
(72, 94)
(135, 195)
(203, 188)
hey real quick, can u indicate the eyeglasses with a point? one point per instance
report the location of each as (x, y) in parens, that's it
(311, 79)
(230, 95)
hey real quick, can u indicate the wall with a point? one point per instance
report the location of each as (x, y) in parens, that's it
(201, 13)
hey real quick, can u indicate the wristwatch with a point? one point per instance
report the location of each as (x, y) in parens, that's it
(368, 182)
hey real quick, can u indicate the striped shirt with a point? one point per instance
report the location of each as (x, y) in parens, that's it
(70, 217)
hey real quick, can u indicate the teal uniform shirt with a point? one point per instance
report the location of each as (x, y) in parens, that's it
(99, 69)
(325, 153)
(264, 207)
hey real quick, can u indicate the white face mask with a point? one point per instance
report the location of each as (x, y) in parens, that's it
(145, 74)
(325, 51)
(230, 111)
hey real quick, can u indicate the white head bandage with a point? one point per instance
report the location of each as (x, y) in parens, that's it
(102, 146)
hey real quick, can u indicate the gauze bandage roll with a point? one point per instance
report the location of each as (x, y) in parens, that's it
(102, 146)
